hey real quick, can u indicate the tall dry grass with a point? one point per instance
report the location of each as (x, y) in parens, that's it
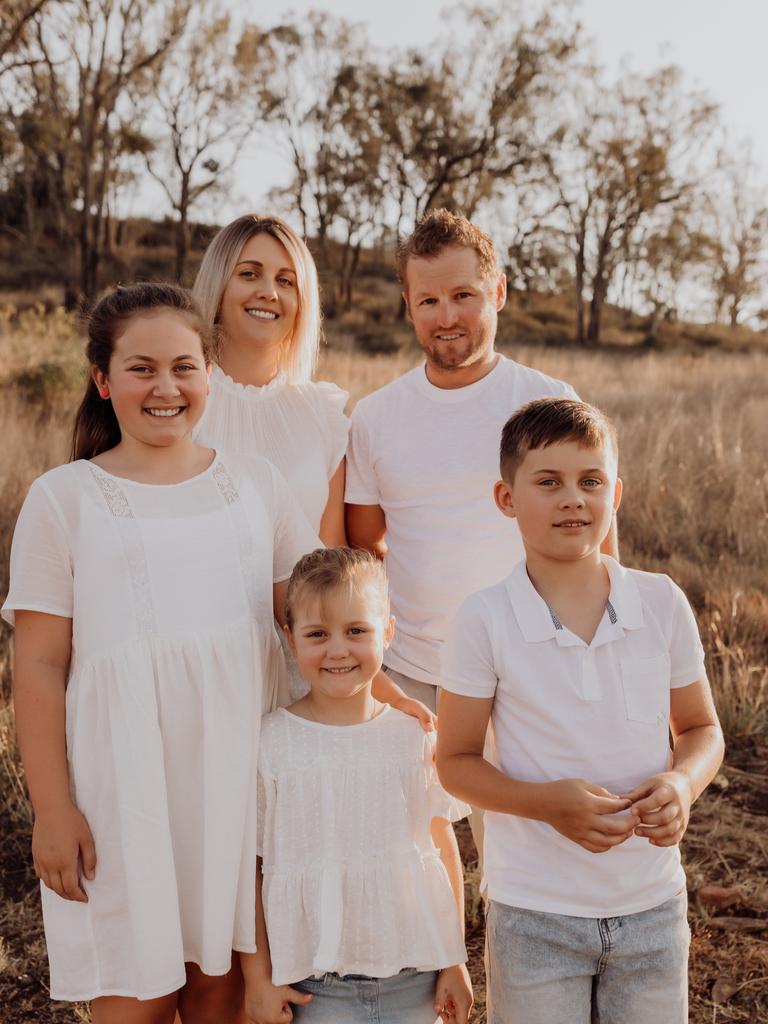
(692, 437)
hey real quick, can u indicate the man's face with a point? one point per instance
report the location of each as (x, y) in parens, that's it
(453, 307)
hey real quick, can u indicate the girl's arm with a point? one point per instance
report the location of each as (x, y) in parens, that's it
(43, 646)
(265, 1003)
(453, 992)
(332, 532)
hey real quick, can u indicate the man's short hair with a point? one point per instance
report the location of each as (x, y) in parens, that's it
(547, 421)
(440, 229)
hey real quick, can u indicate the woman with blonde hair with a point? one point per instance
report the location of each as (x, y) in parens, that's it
(257, 286)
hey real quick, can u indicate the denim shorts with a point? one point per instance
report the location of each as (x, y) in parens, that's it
(404, 998)
(554, 969)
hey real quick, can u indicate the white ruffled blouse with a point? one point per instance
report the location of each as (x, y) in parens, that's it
(353, 883)
(300, 428)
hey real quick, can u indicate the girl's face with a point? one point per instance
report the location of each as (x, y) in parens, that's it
(261, 299)
(339, 639)
(157, 378)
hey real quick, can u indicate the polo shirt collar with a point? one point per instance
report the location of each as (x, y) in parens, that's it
(536, 621)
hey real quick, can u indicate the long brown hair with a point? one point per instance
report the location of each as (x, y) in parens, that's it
(96, 429)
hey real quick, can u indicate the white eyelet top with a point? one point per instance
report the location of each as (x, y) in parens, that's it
(353, 883)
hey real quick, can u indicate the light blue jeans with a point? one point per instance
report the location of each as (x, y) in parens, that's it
(553, 969)
(405, 998)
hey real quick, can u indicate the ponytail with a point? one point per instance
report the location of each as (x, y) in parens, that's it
(96, 428)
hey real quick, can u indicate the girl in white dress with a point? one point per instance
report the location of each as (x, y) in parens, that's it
(143, 580)
(360, 906)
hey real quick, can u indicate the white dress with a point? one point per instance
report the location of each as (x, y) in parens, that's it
(170, 593)
(353, 883)
(301, 428)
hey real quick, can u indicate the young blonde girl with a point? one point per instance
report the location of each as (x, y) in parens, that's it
(143, 579)
(359, 909)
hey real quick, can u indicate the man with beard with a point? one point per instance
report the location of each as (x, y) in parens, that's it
(424, 450)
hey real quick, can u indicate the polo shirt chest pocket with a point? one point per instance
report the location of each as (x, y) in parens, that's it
(645, 682)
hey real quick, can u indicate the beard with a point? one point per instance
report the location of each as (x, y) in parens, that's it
(455, 355)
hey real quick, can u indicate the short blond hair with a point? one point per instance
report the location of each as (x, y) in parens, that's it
(300, 354)
(441, 229)
(328, 569)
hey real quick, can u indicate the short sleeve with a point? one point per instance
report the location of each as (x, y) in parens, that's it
(468, 667)
(41, 570)
(441, 804)
(330, 402)
(293, 536)
(362, 485)
(686, 652)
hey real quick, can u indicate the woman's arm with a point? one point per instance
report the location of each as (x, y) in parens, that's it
(43, 646)
(332, 532)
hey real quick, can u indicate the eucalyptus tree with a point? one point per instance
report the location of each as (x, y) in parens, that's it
(73, 98)
(617, 156)
(200, 113)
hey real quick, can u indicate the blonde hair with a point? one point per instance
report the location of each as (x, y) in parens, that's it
(329, 569)
(299, 356)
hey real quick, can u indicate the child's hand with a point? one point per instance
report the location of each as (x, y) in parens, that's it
(663, 805)
(453, 994)
(414, 708)
(266, 1003)
(587, 814)
(59, 837)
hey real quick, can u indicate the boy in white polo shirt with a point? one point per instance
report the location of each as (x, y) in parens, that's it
(583, 668)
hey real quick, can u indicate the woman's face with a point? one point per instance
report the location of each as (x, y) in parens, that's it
(261, 298)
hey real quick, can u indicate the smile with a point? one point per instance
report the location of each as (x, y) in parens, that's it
(572, 523)
(340, 671)
(166, 413)
(262, 314)
(448, 337)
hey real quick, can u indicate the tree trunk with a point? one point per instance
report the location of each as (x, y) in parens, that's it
(579, 287)
(599, 291)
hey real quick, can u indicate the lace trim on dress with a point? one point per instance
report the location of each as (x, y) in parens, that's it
(133, 546)
(243, 536)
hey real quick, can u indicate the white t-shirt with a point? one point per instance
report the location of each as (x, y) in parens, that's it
(353, 883)
(564, 709)
(429, 457)
(300, 428)
(169, 588)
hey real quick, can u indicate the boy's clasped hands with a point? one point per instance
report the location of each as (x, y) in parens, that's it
(657, 809)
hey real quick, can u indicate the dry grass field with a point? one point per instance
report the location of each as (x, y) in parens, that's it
(692, 427)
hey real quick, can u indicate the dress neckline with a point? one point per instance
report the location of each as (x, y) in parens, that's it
(141, 483)
(278, 382)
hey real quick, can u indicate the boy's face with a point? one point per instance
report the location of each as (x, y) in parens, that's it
(339, 639)
(563, 497)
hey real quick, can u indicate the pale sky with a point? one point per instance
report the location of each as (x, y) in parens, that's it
(720, 46)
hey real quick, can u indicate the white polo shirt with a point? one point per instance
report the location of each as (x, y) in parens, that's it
(566, 709)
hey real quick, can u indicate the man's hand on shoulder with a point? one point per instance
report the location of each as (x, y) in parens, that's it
(587, 814)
